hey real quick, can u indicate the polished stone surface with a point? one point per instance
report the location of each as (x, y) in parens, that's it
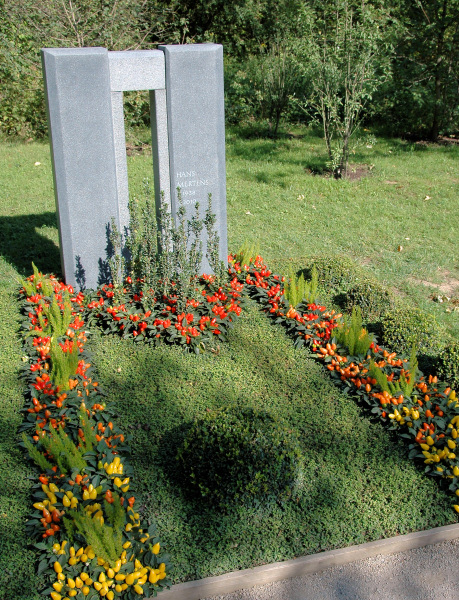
(196, 124)
(83, 155)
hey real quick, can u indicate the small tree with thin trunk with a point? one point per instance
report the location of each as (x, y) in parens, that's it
(274, 74)
(345, 50)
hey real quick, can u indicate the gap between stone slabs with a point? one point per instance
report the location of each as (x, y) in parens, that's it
(307, 565)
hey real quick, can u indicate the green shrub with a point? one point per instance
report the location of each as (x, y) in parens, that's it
(403, 328)
(241, 455)
(337, 272)
(448, 364)
(373, 298)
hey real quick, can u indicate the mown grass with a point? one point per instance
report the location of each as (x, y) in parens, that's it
(408, 199)
(359, 484)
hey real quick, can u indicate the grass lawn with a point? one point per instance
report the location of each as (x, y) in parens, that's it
(359, 484)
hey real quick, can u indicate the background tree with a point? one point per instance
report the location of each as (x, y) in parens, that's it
(27, 25)
(242, 26)
(263, 83)
(343, 45)
(422, 98)
(274, 74)
(345, 50)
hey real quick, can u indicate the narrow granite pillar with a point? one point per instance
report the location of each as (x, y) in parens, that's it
(196, 126)
(77, 84)
(160, 148)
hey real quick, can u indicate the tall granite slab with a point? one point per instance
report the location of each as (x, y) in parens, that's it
(79, 109)
(196, 127)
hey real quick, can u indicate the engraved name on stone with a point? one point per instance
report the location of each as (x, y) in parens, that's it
(191, 179)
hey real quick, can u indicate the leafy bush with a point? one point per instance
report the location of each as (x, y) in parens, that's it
(246, 456)
(337, 272)
(448, 364)
(373, 298)
(403, 328)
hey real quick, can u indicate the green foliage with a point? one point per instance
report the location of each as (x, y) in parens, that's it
(373, 298)
(217, 266)
(89, 430)
(403, 328)
(35, 454)
(408, 377)
(136, 109)
(448, 364)
(26, 26)
(116, 515)
(142, 240)
(274, 77)
(241, 455)
(247, 254)
(171, 253)
(53, 320)
(405, 385)
(116, 260)
(380, 376)
(40, 284)
(297, 289)
(106, 541)
(67, 456)
(352, 335)
(337, 272)
(187, 253)
(166, 263)
(241, 26)
(421, 97)
(64, 364)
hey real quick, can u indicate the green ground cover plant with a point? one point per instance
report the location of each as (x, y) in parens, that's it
(341, 445)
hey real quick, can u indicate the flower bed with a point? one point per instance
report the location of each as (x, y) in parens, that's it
(85, 510)
(85, 519)
(155, 318)
(428, 418)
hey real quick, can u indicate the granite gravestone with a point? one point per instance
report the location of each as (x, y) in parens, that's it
(84, 96)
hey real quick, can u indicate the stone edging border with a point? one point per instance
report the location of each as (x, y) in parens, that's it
(307, 565)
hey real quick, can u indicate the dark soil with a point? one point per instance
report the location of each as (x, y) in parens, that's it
(133, 150)
(354, 171)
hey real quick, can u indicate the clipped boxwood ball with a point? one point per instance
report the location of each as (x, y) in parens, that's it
(337, 272)
(373, 299)
(448, 365)
(241, 456)
(404, 327)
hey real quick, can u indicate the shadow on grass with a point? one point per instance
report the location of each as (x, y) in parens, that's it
(17, 576)
(21, 243)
